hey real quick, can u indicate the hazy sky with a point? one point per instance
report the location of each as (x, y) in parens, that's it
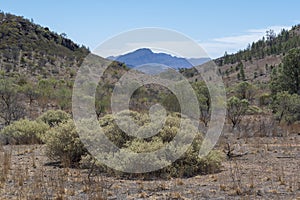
(218, 26)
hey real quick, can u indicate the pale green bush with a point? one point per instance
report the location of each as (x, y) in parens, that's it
(265, 99)
(189, 164)
(63, 143)
(25, 132)
(54, 117)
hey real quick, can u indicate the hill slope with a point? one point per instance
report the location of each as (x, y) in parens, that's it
(29, 48)
(39, 66)
(260, 57)
(257, 60)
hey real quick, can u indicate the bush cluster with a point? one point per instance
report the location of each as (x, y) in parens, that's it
(54, 117)
(27, 131)
(24, 132)
(64, 144)
(189, 164)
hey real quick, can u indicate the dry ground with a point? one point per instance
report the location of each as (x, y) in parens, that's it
(270, 170)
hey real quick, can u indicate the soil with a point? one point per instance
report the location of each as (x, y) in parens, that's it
(267, 168)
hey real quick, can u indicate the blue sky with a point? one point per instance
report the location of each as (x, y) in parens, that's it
(218, 26)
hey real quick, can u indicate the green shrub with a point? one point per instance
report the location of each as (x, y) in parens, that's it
(54, 117)
(24, 132)
(189, 164)
(63, 143)
(287, 107)
(252, 110)
(265, 99)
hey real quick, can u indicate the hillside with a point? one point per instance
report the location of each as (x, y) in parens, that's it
(34, 50)
(257, 60)
(39, 66)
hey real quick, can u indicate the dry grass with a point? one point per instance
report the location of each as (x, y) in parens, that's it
(269, 171)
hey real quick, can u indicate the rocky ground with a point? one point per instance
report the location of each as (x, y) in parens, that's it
(261, 168)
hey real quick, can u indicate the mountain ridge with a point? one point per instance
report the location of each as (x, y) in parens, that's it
(144, 56)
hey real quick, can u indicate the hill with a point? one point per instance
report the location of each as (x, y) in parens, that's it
(29, 48)
(257, 60)
(38, 68)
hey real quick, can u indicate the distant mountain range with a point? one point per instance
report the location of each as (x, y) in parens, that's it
(146, 56)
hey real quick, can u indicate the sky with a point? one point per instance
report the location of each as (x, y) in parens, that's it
(217, 26)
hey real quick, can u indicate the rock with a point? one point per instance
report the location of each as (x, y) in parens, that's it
(260, 192)
(237, 150)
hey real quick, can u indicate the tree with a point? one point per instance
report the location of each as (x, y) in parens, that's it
(30, 92)
(204, 101)
(45, 89)
(291, 71)
(170, 102)
(236, 109)
(271, 36)
(64, 35)
(63, 96)
(242, 72)
(11, 107)
(287, 107)
(287, 76)
(101, 106)
(275, 83)
(245, 90)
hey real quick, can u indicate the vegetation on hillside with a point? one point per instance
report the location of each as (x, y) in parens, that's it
(35, 50)
(271, 44)
(285, 88)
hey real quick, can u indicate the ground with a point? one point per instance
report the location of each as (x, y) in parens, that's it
(270, 169)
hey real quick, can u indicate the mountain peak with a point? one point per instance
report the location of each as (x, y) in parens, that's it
(146, 50)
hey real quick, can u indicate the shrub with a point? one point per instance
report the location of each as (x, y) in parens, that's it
(189, 164)
(63, 143)
(287, 107)
(265, 99)
(24, 132)
(54, 117)
(253, 110)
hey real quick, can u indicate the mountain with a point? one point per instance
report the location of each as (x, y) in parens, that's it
(146, 56)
